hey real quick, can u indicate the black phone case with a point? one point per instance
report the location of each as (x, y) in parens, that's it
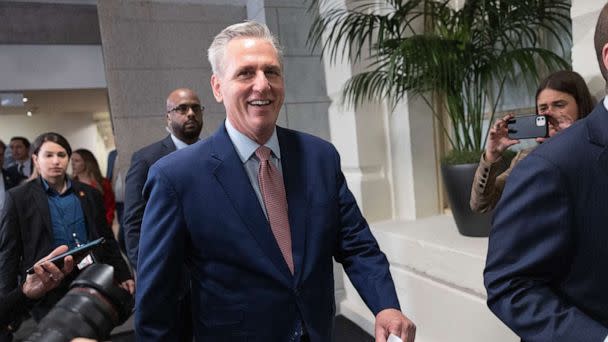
(76, 253)
(528, 126)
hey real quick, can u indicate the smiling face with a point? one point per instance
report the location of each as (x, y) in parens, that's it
(559, 107)
(52, 161)
(250, 84)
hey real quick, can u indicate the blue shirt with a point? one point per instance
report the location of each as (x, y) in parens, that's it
(67, 218)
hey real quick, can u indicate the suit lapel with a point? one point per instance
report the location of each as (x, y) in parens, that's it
(40, 200)
(168, 145)
(86, 210)
(233, 179)
(294, 178)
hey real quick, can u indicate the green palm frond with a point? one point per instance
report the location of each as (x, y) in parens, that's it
(426, 46)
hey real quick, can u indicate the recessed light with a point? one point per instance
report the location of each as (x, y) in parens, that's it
(25, 99)
(29, 113)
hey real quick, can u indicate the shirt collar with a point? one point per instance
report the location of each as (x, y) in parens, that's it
(245, 147)
(178, 143)
(52, 191)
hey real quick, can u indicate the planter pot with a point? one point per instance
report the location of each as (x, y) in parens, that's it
(458, 180)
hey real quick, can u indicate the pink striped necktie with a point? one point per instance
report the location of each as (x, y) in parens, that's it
(275, 200)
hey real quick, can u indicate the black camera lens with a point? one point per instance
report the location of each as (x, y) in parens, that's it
(92, 308)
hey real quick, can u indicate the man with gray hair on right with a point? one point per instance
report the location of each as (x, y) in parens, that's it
(546, 270)
(258, 213)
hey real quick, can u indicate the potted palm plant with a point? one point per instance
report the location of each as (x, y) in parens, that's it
(459, 57)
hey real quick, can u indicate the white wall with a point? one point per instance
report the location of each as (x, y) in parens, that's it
(584, 17)
(32, 67)
(79, 129)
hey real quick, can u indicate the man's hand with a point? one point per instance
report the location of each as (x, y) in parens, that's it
(392, 321)
(46, 275)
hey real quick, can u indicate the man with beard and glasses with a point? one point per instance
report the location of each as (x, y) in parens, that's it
(184, 122)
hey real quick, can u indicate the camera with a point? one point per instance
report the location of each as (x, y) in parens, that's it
(528, 126)
(541, 120)
(93, 306)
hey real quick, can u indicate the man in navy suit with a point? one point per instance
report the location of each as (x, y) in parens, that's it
(184, 115)
(22, 160)
(546, 270)
(208, 208)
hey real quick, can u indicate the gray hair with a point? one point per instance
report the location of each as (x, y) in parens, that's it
(247, 29)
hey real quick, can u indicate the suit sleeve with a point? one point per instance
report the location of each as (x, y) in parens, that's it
(530, 244)
(161, 245)
(10, 254)
(134, 205)
(10, 250)
(359, 253)
(14, 304)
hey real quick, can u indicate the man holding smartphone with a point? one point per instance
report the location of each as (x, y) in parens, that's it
(547, 256)
(45, 277)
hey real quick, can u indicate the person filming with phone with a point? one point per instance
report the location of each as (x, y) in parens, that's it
(562, 97)
(47, 212)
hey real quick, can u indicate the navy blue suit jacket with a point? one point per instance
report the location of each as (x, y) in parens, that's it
(547, 266)
(10, 179)
(134, 184)
(202, 209)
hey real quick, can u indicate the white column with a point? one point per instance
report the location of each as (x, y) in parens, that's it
(584, 17)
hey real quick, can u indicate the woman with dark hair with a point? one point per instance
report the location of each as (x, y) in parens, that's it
(85, 169)
(48, 212)
(563, 97)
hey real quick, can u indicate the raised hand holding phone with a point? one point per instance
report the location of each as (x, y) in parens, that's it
(46, 275)
(498, 139)
(77, 253)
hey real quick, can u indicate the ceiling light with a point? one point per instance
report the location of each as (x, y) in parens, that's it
(11, 99)
(29, 113)
(25, 99)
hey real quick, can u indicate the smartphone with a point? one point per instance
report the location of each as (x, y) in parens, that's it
(528, 126)
(77, 253)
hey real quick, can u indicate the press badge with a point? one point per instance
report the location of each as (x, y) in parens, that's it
(86, 261)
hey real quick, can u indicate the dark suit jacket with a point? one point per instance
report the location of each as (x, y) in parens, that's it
(26, 235)
(202, 209)
(547, 266)
(134, 184)
(11, 178)
(14, 172)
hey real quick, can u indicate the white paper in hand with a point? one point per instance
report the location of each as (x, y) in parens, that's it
(393, 338)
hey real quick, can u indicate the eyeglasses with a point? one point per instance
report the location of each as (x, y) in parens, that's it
(183, 108)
